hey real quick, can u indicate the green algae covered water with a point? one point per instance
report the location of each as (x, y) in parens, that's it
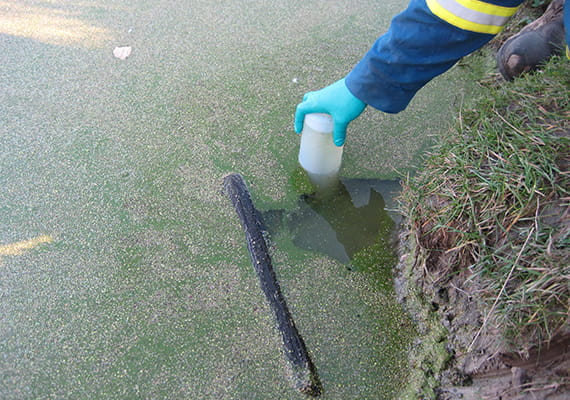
(123, 269)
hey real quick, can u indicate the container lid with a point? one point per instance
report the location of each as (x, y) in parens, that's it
(319, 122)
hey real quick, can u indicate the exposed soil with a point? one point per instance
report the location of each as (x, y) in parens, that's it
(543, 375)
(477, 364)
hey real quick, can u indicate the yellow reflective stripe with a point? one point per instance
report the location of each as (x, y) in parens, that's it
(487, 8)
(472, 15)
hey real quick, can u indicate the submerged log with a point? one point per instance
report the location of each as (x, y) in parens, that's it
(304, 373)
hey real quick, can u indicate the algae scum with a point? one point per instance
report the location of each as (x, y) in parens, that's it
(145, 288)
(349, 236)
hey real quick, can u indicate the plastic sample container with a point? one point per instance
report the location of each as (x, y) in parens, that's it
(318, 155)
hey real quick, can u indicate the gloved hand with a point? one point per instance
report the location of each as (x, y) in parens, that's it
(335, 100)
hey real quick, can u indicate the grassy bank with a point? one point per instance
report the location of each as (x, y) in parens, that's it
(490, 212)
(495, 193)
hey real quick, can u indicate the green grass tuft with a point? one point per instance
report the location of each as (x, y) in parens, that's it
(494, 199)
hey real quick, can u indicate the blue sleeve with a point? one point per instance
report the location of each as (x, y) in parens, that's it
(418, 47)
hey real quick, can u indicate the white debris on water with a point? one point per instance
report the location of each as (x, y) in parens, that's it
(122, 52)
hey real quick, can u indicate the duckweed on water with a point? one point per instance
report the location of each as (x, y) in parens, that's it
(148, 288)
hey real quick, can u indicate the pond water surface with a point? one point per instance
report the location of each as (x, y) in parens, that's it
(123, 269)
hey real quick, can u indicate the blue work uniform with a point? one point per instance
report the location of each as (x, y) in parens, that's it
(424, 41)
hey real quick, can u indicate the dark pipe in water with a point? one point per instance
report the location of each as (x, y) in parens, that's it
(306, 379)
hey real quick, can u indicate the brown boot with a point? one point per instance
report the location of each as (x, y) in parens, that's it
(534, 44)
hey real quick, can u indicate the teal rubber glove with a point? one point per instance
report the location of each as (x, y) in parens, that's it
(335, 100)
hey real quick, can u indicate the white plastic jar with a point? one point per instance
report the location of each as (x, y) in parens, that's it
(318, 154)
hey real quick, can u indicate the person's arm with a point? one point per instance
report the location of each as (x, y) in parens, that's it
(424, 41)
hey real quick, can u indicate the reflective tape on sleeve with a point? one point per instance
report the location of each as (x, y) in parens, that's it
(472, 15)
